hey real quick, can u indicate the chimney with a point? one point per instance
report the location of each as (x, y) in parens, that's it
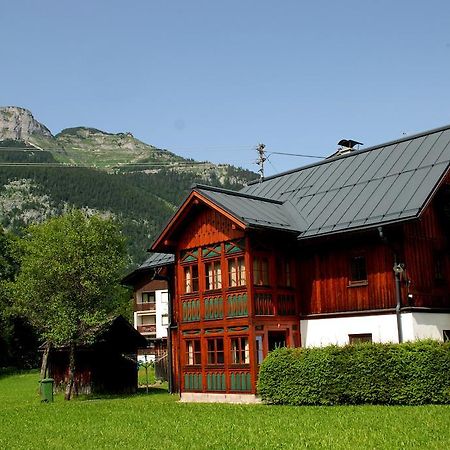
(347, 146)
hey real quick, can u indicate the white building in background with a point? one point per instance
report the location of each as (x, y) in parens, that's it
(151, 308)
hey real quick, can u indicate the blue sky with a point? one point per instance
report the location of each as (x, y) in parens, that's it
(211, 79)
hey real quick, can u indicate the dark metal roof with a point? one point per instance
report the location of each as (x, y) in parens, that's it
(252, 211)
(157, 260)
(154, 261)
(382, 184)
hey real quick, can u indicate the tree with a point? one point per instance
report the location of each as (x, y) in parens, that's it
(70, 267)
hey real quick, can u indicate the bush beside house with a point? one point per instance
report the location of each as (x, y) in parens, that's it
(413, 373)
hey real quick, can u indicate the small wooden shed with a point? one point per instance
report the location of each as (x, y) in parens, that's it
(108, 365)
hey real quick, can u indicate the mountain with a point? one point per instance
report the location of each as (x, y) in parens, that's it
(116, 175)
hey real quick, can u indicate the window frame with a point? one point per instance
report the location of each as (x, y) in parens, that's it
(358, 277)
(360, 338)
(148, 294)
(213, 356)
(261, 270)
(217, 280)
(194, 285)
(284, 272)
(241, 271)
(240, 355)
(191, 353)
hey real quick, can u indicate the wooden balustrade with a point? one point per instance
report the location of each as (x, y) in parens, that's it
(193, 381)
(145, 306)
(146, 328)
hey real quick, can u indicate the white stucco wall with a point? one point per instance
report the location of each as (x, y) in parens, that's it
(320, 332)
(162, 308)
(425, 325)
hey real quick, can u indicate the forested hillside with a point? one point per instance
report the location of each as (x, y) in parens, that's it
(112, 174)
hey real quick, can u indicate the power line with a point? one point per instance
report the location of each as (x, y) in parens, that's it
(297, 154)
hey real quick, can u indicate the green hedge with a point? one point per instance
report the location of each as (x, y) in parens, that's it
(413, 373)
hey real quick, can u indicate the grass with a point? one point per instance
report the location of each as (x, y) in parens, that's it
(159, 421)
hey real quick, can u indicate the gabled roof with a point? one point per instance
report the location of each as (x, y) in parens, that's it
(254, 212)
(379, 185)
(384, 184)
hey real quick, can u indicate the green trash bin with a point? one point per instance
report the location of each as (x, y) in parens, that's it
(47, 390)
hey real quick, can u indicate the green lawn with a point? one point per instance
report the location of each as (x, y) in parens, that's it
(158, 421)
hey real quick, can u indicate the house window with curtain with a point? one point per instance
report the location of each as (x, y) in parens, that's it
(190, 279)
(284, 272)
(213, 275)
(236, 271)
(193, 352)
(239, 350)
(261, 271)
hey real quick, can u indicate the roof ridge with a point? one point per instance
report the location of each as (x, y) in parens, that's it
(236, 193)
(355, 152)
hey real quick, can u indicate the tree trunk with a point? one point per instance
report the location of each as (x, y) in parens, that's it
(69, 386)
(44, 364)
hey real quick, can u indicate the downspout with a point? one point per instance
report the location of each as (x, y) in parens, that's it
(398, 296)
(398, 269)
(169, 329)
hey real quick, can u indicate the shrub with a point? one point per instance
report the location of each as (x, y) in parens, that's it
(413, 373)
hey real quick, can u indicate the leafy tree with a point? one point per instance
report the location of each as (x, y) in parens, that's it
(69, 279)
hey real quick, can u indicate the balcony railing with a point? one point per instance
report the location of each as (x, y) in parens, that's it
(268, 304)
(146, 328)
(145, 306)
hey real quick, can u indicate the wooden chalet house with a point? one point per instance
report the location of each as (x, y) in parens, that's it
(353, 248)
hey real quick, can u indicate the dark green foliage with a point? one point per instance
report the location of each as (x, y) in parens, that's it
(18, 339)
(142, 202)
(413, 373)
(17, 152)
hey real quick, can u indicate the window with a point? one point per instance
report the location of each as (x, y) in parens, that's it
(148, 298)
(215, 351)
(236, 272)
(190, 279)
(239, 350)
(193, 352)
(284, 275)
(358, 271)
(261, 271)
(213, 273)
(359, 338)
(148, 319)
(446, 335)
(164, 320)
(259, 349)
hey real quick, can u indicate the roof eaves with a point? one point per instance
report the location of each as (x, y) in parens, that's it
(200, 188)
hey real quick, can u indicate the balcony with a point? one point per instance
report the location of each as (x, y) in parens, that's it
(267, 304)
(146, 329)
(145, 306)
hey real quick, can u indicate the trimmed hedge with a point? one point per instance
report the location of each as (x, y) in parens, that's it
(413, 373)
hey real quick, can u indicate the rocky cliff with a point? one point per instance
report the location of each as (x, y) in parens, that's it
(19, 124)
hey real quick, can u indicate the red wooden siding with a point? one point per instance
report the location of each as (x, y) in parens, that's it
(207, 226)
(425, 243)
(325, 285)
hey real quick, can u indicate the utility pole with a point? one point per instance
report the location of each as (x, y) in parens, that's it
(260, 161)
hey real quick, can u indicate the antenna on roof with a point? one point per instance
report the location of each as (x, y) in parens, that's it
(261, 160)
